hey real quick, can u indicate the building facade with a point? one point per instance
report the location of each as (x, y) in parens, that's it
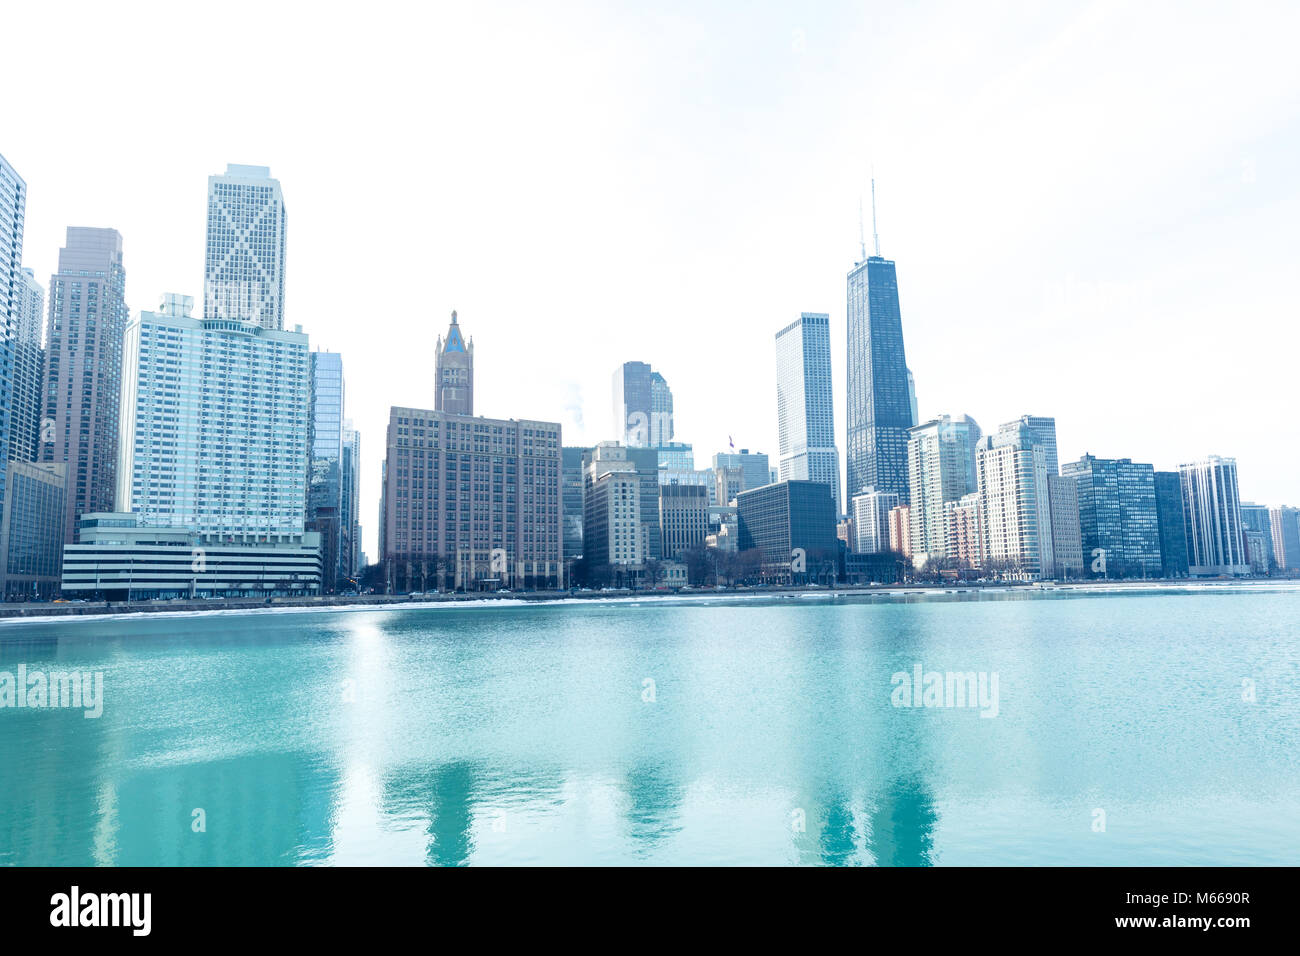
(215, 426)
(1173, 533)
(805, 402)
(871, 510)
(1284, 530)
(940, 468)
(324, 513)
(471, 503)
(31, 531)
(83, 370)
(683, 518)
(643, 406)
(751, 468)
(964, 532)
(792, 525)
(879, 399)
(13, 288)
(1011, 468)
(26, 406)
(243, 269)
(1067, 532)
(1216, 545)
(1118, 516)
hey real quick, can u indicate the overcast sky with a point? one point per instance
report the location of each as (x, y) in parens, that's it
(1094, 207)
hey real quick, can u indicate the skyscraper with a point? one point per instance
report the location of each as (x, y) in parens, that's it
(805, 404)
(1011, 466)
(751, 467)
(216, 425)
(1212, 513)
(243, 273)
(871, 520)
(643, 406)
(325, 463)
(1284, 528)
(26, 407)
(83, 370)
(453, 389)
(1118, 516)
(13, 211)
(879, 399)
(1173, 533)
(350, 516)
(941, 468)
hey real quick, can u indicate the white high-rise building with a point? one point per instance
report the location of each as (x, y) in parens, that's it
(1011, 468)
(805, 404)
(940, 468)
(13, 211)
(243, 273)
(214, 425)
(871, 520)
(1212, 516)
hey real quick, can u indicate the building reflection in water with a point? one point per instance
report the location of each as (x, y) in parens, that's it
(653, 807)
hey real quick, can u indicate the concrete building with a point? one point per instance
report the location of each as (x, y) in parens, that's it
(1257, 518)
(871, 510)
(616, 527)
(215, 425)
(900, 532)
(964, 532)
(940, 468)
(1011, 468)
(243, 266)
(117, 559)
(753, 468)
(31, 531)
(83, 370)
(1212, 515)
(683, 518)
(454, 372)
(27, 405)
(13, 290)
(805, 401)
(1067, 532)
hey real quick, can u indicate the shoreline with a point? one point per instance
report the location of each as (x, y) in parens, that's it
(99, 611)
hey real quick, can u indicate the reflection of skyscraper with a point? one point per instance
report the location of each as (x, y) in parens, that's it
(902, 825)
(805, 402)
(654, 801)
(879, 400)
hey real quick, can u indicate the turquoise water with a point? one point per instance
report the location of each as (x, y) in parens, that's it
(529, 734)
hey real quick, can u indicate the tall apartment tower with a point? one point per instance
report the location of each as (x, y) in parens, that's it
(350, 515)
(243, 271)
(879, 397)
(325, 464)
(1011, 467)
(13, 211)
(1284, 529)
(941, 468)
(805, 404)
(83, 370)
(215, 426)
(1212, 514)
(454, 372)
(26, 407)
(1119, 516)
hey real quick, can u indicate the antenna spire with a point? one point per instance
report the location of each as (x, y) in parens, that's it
(862, 236)
(874, 234)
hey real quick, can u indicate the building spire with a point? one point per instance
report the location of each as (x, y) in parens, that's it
(862, 235)
(874, 234)
(453, 311)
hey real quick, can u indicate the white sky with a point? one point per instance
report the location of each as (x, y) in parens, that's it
(1093, 207)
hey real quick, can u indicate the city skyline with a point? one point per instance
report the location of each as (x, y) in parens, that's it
(1147, 236)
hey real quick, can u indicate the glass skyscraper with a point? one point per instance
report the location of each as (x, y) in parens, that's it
(325, 468)
(1173, 534)
(879, 402)
(1212, 514)
(1117, 516)
(243, 273)
(805, 404)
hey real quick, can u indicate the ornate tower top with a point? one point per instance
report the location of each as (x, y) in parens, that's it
(453, 389)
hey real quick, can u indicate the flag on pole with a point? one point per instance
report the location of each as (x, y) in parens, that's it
(731, 443)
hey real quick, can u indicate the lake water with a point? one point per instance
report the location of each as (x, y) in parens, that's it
(1156, 728)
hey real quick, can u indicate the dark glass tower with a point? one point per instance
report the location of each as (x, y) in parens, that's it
(879, 405)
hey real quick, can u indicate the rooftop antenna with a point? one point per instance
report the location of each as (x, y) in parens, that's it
(874, 234)
(862, 236)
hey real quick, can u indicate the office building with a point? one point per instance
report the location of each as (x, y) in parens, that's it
(13, 293)
(753, 468)
(1067, 532)
(571, 481)
(683, 518)
(243, 270)
(350, 561)
(617, 542)
(1169, 516)
(1284, 529)
(805, 404)
(31, 531)
(778, 519)
(871, 510)
(1258, 518)
(676, 456)
(643, 406)
(964, 532)
(941, 468)
(1212, 515)
(1118, 517)
(28, 353)
(325, 464)
(83, 370)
